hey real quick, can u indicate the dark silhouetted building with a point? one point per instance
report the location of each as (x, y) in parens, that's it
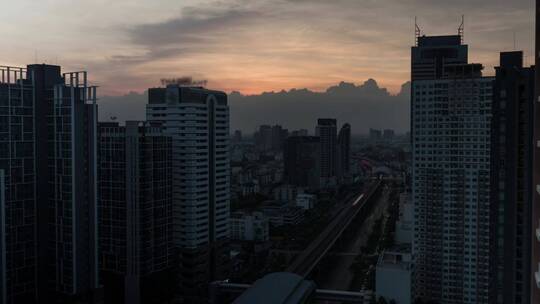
(326, 130)
(343, 161)
(301, 159)
(48, 153)
(512, 189)
(197, 119)
(535, 232)
(135, 223)
(301, 132)
(3, 284)
(278, 137)
(237, 137)
(264, 138)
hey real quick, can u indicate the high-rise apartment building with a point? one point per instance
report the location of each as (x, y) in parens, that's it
(197, 119)
(512, 148)
(135, 223)
(535, 220)
(326, 130)
(451, 136)
(343, 161)
(3, 266)
(48, 153)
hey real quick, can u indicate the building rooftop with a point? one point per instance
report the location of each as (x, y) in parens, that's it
(397, 257)
(446, 40)
(278, 288)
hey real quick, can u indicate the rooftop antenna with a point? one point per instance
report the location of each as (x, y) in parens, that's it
(417, 31)
(515, 47)
(461, 29)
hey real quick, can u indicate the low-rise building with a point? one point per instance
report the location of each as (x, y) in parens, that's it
(286, 192)
(405, 223)
(249, 227)
(250, 188)
(283, 215)
(394, 275)
(306, 201)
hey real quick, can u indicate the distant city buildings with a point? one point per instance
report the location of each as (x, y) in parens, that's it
(197, 119)
(302, 161)
(375, 135)
(451, 125)
(301, 132)
(283, 214)
(270, 138)
(237, 137)
(388, 134)
(249, 227)
(137, 257)
(326, 130)
(343, 157)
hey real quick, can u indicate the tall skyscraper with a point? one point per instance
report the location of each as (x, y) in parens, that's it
(326, 130)
(3, 266)
(512, 148)
(535, 233)
(301, 158)
(197, 119)
(48, 152)
(135, 223)
(343, 161)
(451, 117)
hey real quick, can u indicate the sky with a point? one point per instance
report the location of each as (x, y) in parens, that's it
(251, 46)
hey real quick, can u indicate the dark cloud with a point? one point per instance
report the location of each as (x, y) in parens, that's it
(363, 106)
(197, 29)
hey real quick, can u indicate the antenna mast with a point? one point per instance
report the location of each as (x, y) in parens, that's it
(461, 29)
(417, 31)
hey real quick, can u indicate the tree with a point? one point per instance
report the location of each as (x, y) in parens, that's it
(382, 301)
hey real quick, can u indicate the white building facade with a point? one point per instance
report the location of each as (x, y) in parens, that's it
(197, 119)
(249, 227)
(451, 186)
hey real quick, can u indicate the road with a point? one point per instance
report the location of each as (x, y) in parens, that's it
(304, 262)
(338, 276)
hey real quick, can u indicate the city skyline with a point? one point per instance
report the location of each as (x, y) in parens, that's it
(215, 151)
(234, 39)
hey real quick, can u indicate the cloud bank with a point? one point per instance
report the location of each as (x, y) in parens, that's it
(363, 106)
